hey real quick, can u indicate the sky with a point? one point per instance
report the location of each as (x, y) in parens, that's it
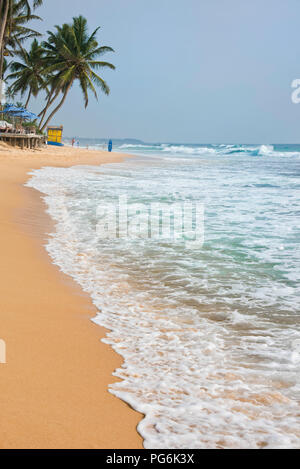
(188, 71)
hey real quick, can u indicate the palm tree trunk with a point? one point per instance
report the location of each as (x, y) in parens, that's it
(1, 61)
(4, 6)
(1, 13)
(50, 101)
(58, 107)
(3, 22)
(2, 89)
(28, 99)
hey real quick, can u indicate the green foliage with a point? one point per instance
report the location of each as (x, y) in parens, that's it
(14, 16)
(72, 56)
(32, 125)
(28, 74)
(17, 31)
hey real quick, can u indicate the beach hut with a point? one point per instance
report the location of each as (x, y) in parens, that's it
(55, 136)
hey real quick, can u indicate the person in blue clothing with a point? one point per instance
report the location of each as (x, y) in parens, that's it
(110, 146)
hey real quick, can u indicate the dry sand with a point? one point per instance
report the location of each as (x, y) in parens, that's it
(54, 385)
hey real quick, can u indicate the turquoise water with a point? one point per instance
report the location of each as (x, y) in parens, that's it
(210, 336)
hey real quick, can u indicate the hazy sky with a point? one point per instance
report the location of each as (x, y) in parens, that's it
(202, 71)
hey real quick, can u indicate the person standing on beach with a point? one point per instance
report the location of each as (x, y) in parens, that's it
(110, 146)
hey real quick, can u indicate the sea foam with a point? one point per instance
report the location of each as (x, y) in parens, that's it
(209, 338)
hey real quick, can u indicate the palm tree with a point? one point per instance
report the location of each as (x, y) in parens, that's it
(72, 56)
(7, 8)
(16, 30)
(28, 74)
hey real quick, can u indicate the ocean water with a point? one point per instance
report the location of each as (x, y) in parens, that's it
(211, 335)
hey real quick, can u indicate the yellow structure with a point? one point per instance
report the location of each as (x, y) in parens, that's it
(55, 135)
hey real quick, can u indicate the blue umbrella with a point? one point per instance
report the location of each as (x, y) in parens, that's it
(26, 115)
(11, 108)
(19, 112)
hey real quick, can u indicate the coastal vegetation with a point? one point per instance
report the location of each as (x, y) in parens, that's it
(50, 65)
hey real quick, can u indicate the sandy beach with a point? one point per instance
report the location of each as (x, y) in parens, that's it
(54, 384)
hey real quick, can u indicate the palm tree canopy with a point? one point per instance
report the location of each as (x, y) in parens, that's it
(13, 16)
(25, 5)
(16, 30)
(72, 55)
(28, 74)
(29, 5)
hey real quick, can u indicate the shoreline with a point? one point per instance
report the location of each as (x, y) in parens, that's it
(54, 387)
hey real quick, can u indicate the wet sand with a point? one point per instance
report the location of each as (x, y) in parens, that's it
(54, 384)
